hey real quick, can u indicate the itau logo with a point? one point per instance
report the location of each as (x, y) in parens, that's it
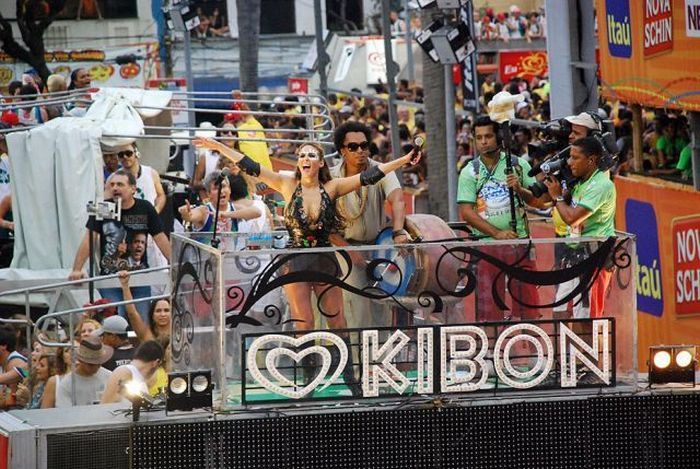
(619, 28)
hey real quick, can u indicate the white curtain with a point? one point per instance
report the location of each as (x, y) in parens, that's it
(56, 170)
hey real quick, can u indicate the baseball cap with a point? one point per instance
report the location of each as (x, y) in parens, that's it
(585, 120)
(114, 325)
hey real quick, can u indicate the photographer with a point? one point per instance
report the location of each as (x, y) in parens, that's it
(591, 209)
(582, 125)
(484, 204)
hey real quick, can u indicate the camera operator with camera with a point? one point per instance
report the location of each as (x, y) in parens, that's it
(483, 196)
(590, 209)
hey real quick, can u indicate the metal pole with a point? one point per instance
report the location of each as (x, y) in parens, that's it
(322, 58)
(409, 45)
(451, 140)
(392, 69)
(190, 87)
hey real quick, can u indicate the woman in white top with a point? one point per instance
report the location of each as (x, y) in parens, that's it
(134, 376)
(209, 159)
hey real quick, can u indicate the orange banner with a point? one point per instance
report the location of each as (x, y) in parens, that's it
(666, 219)
(649, 51)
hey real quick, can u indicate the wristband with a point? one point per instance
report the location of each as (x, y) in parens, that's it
(400, 232)
(249, 166)
(371, 175)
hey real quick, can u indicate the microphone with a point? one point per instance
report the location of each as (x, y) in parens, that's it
(224, 174)
(418, 143)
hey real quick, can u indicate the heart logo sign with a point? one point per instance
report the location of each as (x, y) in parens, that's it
(281, 384)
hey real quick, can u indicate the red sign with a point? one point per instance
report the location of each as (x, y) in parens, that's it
(658, 27)
(686, 264)
(297, 85)
(525, 64)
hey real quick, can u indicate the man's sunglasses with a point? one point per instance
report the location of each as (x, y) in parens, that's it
(356, 146)
(125, 154)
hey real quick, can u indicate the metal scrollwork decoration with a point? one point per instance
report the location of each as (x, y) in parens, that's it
(464, 258)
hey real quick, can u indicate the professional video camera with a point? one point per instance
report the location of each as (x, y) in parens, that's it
(556, 165)
(556, 133)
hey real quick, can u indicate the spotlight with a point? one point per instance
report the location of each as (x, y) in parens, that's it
(139, 397)
(189, 390)
(672, 364)
(424, 41)
(453, 44)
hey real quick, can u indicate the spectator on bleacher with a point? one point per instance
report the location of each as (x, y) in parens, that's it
(79, 79)
(134, 375)
(114, 332)
(534, 28)
(516, 23)
(89, 376)
(159, 315)
(31, 391)
(30, 115)
(683, 168)
(249, 127)
(670, 144)
(201, 218)
(55, 84)
(14, 367)
(85, 328)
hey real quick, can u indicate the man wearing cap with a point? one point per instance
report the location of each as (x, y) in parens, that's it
(114, 334)
(582, 125)
(89, 376)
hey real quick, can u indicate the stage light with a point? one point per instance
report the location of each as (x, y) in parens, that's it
(424, 41)
(137, 394)
(453, 44)
(683, 358)
(662, 359)
(672, 364)
(189, 390)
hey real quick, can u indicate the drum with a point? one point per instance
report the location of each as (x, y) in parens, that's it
(415, 269)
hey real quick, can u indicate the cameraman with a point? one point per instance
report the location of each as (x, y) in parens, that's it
(484, 204)
(591, 210)
(582, 125)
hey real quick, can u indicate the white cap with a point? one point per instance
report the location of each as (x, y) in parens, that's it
(114, 325)
(204, 132)
(585, 120)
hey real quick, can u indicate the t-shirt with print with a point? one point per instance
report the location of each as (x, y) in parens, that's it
(685, 163)
(596, 194)
(140, 218)
(489, 192)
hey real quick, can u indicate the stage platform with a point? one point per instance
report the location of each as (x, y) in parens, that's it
(572, 429)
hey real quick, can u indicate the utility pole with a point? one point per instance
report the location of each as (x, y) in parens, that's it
(322, 58)
(392, 69)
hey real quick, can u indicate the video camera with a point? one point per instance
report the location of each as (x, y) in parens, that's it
(556, 165)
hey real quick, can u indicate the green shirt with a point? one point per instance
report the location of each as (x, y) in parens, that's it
(596, 194)
(489, 192)
(671, 148)
(685, 162)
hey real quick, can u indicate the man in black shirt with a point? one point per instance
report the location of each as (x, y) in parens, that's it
(137, 216)
(114, 333)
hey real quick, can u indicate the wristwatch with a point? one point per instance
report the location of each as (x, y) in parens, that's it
(558, 199)
(400, 232)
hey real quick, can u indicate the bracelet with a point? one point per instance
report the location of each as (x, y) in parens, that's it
(400, 232)
(249, 166)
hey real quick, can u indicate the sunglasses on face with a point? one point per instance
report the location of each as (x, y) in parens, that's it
(228, 132)
(125, 154)
(311, 156)
(355, 146)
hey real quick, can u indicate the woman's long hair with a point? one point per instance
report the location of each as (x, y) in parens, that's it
(324, 174)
